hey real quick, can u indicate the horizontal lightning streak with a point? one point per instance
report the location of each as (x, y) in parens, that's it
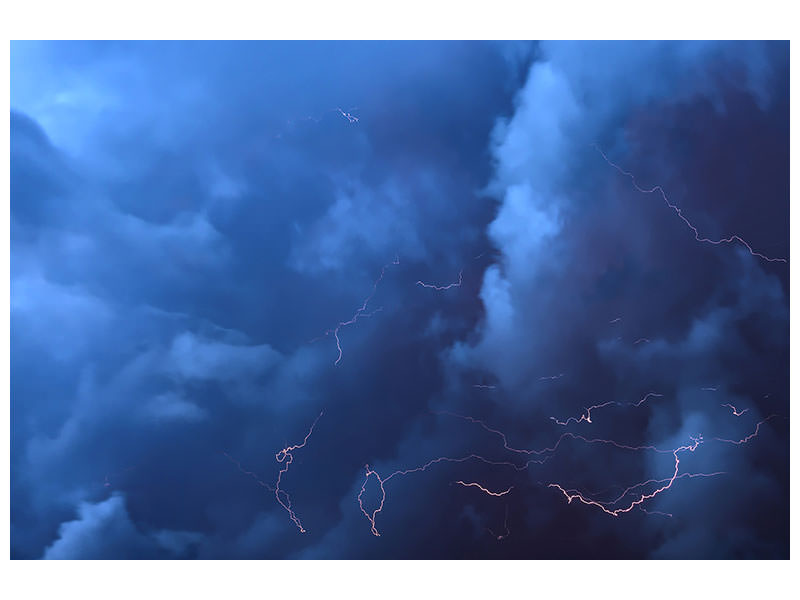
(655, 512)
(441, 288)
(483, 489)
(554, 447)
(570, 496)
(607, 507)
(629, 489)
(587, 416)
(546, 377)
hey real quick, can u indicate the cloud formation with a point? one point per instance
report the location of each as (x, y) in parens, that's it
(190, 221)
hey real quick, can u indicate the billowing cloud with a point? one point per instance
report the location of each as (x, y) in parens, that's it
(195, 226)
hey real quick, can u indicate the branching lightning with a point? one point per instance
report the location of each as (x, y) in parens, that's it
(284, 457)
(360, 313)
(571, 495)
(382, 481)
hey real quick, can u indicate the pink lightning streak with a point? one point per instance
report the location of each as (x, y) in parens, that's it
(554, 447)
(483, 489)
(746, 439)
(629, 489)
(382, 481)
(658, 189)
(736, 413)
(587, 416)
(574, 495)
(441, 288)
(285, 458)
(360, 313)
(607, 507)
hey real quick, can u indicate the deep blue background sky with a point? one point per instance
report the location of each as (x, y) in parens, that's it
(187, 217)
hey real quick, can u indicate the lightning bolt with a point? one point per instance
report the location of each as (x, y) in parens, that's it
(574, 495)
(610, 508)
(746, 439)
(441, 288)
(483, 489)
(699, 238)
(382, 481)
(286, 458)
(735, 412)
(587, 416)
(283, 457)
(360, 313)
(629, 489)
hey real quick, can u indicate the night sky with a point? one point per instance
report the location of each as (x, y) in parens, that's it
(415, 267)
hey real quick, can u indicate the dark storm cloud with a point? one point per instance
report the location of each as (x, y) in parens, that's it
(186, 218)
(591, 266)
